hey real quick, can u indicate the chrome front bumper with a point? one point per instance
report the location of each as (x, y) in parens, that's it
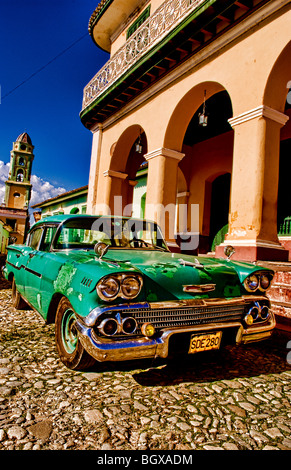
(103, 349)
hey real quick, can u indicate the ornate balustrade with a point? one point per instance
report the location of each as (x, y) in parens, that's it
(151, 32)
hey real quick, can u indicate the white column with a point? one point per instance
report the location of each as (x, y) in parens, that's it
(94, 168)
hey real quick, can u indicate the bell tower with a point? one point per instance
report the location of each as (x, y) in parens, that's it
(18, 186)
(14, 211)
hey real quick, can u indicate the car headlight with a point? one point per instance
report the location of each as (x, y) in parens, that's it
(265, 281)
(108, 288)
(126, 286)
(251, 283)
(258, 280)
(130, 287)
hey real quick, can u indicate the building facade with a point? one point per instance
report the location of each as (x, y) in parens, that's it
(198, 89)
(14, 210)
(4, 237)
(71, 202)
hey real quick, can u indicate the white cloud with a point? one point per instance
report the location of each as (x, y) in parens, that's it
(4, 170)
(41, 189)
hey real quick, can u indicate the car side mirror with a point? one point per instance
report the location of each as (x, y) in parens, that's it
(101, 249)
(229, 251)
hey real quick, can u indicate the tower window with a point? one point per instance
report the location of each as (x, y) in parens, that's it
(20, 176)
(11, 223)
(23, 147)
(21, 161)
(16, 195)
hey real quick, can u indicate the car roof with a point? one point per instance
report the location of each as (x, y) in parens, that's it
(60, 218)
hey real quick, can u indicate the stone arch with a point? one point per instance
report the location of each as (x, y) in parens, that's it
(123, 149)
(279, 81)
(207, 155)
(277, 95)
(184, 112)
(124, 163)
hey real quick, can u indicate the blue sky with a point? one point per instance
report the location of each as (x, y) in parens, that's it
(32, 35)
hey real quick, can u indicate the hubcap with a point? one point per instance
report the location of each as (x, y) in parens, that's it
(69, 333)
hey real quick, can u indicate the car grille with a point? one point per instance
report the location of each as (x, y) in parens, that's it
(186, 316)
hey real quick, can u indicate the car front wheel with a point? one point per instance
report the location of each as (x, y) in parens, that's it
(70, 350)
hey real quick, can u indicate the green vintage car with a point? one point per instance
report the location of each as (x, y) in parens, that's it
(115, 292)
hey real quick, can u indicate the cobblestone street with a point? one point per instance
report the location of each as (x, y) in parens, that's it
(236, 399)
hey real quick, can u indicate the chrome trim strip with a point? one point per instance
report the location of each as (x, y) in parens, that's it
(31, 271)
(139, 348)
(142, 347)
(92, 317)
(14, 266)
(258, 331)
(199, 288)
(105, 349)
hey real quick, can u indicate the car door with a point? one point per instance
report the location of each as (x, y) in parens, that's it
(33, 264)
(49, 270)
(36, 270)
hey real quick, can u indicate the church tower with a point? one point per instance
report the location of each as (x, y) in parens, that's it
(18, 186)
(14, 211)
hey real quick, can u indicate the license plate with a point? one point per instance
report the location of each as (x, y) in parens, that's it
(205, 342)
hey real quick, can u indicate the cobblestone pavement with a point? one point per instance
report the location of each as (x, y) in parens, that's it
(235, 399)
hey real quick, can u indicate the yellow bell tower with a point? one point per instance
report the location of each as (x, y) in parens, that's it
(14, 211)
(18, 186)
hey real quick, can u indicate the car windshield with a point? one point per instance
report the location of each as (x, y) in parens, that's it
(117, 232)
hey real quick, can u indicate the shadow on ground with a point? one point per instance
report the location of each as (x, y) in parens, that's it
(266, 357)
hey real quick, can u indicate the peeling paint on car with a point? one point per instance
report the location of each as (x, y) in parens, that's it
(65, 277)
(166, 269)
(38, 299)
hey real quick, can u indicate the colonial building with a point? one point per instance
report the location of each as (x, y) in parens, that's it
(71, 202)
(14, 210)
(199, 90)
(4, 237)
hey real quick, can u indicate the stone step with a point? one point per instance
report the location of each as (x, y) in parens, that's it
(280, 293)
(282, 277)
(280, 290)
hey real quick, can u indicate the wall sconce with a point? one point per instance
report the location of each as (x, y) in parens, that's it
(203, 117)
(138, 145)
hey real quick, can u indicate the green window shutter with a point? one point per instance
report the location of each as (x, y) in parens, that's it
(138, 22)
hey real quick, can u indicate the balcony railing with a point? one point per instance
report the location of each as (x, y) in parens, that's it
(285, 227)
(152, 31)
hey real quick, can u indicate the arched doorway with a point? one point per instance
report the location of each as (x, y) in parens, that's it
(284, 200)
(126, 159)
(208, 164)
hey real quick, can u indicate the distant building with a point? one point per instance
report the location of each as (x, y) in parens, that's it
(71, 202)
(201, 91)
(4, 236)
(14, 210)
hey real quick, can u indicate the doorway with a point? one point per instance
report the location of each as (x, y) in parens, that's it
(219, 210)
